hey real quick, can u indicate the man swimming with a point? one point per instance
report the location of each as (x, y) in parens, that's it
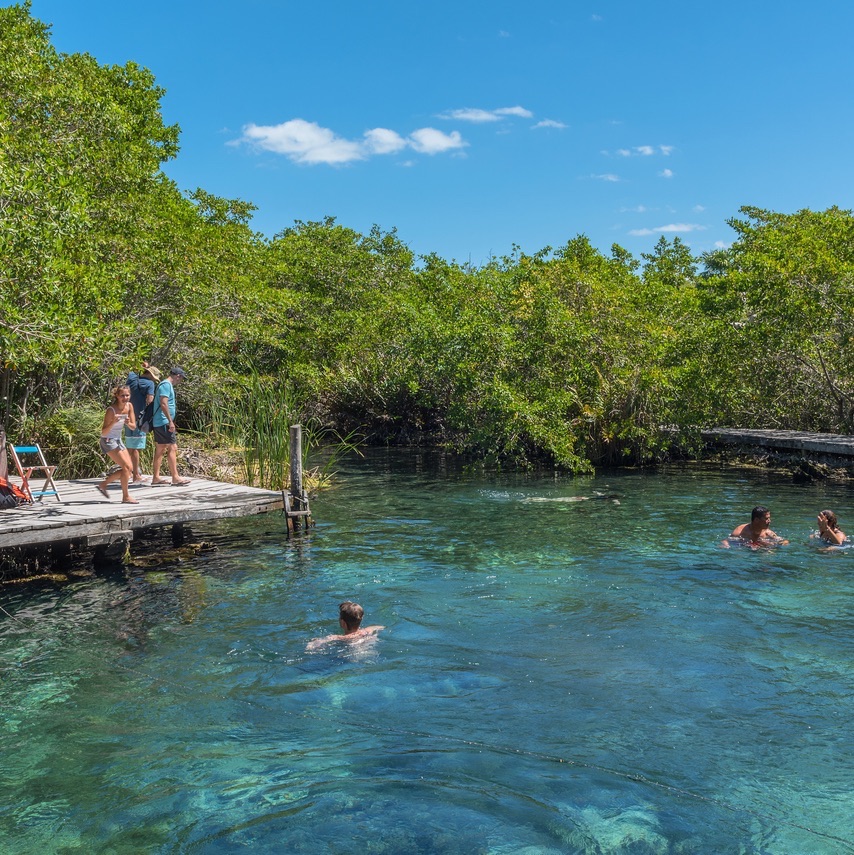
(758, 532)
(350, 620)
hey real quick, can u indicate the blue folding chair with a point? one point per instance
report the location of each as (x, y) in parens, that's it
(22, 457)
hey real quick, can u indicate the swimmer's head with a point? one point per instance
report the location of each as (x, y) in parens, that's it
(758, 512)
(350, 615)
(831, 519)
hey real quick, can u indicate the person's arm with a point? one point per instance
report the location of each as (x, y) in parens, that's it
(131, 422)
(164, 406)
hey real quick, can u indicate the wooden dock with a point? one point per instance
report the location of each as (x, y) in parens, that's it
(832, 444)
(84, 518)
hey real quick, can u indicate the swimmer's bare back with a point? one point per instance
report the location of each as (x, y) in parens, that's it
(359, 635)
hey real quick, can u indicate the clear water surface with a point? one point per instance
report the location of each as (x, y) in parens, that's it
(556, 676)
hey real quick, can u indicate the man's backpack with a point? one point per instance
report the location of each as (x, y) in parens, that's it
(145, 419)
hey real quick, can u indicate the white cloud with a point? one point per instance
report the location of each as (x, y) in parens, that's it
(720, 244)
(681, 227)
(303, 142)
(471, 114)
(638, 209)
(431, 141)
(666, 173)
(645, 150)
(308, 142)
(384, 141)
(698, 209)
(475, 114)
(549, 123)
(515, 111)
(670, 228)
(607, 176)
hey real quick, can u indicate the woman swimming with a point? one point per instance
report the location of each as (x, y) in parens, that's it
(828, 528)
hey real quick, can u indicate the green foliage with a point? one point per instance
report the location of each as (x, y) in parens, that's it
(569, 358)
(104, 260)
(66, 436)
(781, 305)
(79, 143)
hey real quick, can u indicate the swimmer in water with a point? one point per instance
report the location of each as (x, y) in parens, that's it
(828, 529)
(350, 620)
(757, 532)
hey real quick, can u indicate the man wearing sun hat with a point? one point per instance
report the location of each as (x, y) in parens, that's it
(165, 432)
(141, 395)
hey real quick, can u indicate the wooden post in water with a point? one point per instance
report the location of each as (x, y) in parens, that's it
(296, 472)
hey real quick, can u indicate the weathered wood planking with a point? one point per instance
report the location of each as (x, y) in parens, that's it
(838, 445)
(85, 516)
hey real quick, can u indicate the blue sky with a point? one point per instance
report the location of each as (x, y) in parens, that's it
(471, 127)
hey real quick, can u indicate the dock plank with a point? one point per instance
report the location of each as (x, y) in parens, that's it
(85, 515)
(838, 445)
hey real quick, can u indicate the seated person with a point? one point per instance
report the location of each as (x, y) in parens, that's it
(758, 531)
(350, 620)
(828, 529)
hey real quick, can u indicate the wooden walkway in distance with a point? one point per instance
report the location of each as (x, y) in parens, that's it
(835, 444)
(85, 518)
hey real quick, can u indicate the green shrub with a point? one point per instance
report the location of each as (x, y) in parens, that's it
(69, 438)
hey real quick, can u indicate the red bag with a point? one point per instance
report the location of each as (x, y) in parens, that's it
(10, 495)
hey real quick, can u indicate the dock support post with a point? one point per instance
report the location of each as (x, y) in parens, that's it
(179, 534)
(296, 473)
(109, 556)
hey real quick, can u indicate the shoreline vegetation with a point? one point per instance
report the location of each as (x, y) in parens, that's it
(567, 358)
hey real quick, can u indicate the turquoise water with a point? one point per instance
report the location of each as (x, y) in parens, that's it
(554, 677)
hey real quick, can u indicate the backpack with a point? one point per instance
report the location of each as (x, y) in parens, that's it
(10, 495)
(145, 419)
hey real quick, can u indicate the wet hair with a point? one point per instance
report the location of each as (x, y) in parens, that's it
(758, 511)
(832, 522)
(116, 392)
(351, 614)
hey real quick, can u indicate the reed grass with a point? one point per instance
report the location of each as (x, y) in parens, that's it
(255, 420)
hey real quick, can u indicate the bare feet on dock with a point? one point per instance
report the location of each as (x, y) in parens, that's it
(130, 502)
(182, 483)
